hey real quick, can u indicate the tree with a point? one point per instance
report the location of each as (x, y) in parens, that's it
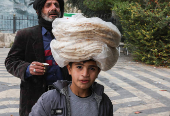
(147, 30)
(92, 7)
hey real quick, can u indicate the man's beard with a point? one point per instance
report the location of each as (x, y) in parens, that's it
(46, 17)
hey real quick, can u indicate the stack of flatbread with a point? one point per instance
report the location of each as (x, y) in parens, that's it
(79, 38)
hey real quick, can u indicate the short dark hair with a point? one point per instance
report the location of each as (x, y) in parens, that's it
(70, 63)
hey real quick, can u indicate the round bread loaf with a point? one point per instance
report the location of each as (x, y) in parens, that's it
(79, 38)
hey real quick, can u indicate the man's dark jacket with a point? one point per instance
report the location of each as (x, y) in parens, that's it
(28, 47)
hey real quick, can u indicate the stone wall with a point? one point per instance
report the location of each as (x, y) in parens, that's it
(6, 39)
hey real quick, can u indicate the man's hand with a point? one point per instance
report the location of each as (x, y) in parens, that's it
(37, 68)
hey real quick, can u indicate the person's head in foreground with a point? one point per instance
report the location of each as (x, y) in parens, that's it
(83, 76)
(86, 46)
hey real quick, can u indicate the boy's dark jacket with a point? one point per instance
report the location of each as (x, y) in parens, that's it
(56, 102)
(28, 47)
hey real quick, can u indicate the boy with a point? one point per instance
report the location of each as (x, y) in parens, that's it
(85, 55)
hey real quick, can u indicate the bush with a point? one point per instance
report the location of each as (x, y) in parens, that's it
(147, 31)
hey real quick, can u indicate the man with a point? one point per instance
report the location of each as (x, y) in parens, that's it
(31, 48)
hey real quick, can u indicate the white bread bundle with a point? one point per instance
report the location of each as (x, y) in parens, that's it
(79, 38)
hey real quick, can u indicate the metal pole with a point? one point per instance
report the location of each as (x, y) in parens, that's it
(14, 23)
(27, 20)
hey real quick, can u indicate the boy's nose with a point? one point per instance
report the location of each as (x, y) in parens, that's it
(85, 73)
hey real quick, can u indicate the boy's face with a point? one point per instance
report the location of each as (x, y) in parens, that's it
(83, 74)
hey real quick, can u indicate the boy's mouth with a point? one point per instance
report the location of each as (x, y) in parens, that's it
(84, 81)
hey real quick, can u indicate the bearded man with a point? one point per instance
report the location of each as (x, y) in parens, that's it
(31, 48)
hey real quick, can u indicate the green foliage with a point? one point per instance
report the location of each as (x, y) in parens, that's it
(147, 30)
(86, 7)
(96, 7)
(98, 4)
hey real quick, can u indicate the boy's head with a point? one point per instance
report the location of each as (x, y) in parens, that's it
(80, 39)
(83, 73)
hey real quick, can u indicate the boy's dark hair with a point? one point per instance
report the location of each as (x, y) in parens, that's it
(70, 63)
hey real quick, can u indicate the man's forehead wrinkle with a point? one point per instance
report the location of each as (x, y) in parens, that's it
(52, 1)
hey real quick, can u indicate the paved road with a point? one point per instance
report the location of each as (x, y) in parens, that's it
(131, 86)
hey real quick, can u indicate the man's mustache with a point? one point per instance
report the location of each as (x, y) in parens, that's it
(54, 12)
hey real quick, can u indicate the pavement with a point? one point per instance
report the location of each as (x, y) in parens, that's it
(134, 88)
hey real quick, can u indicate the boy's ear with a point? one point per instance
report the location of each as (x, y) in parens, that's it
(69, 69)
(99, 71)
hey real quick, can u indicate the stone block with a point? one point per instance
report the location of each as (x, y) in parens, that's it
(6, 39)
(1, 37)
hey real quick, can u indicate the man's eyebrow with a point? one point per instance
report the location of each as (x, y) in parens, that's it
(52, 2)
(47, 3)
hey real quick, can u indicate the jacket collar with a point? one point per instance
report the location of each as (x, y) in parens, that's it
(61, 84)
(38, 43)
(62, 87)
(36, 33)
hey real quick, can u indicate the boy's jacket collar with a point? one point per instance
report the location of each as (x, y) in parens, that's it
(97, 88)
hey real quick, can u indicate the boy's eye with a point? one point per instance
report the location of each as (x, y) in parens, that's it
(79, 67)
(92, 68)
